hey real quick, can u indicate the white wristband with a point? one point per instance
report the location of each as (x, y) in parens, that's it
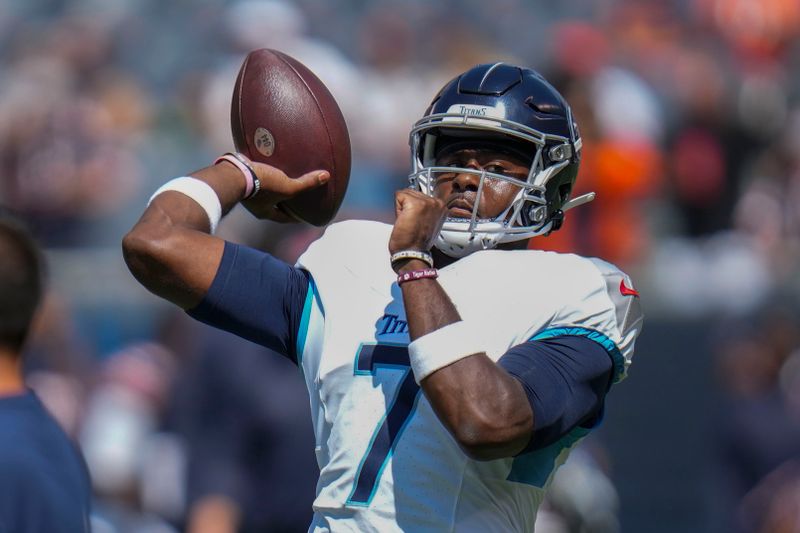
(200, 192)
(444, 347)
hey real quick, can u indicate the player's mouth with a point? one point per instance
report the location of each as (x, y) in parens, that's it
(459, 208)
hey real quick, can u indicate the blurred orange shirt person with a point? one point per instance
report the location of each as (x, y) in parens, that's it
(623, 173)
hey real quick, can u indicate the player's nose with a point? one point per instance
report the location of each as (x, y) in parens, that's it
(468, 181)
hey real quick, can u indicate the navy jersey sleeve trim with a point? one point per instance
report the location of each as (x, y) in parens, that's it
(565, 379)
(256, 297)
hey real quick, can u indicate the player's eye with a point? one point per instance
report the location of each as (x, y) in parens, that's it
(495, 169)
(503, 170)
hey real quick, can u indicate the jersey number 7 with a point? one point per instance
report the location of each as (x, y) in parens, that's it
(371, 358)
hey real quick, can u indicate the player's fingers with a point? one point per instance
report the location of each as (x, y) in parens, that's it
(411, 199)
(271, 178)
(308, 181)
(400, 200)
(275, 181)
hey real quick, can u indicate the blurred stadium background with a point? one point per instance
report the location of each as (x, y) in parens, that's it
(690, 112)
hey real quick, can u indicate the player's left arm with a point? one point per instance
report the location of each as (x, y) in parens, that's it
(537, 392)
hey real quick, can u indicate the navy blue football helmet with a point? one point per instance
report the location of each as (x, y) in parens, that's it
(517, 107)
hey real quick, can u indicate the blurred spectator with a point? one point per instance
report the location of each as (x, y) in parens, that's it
(759, 426)
(621, 126)
(243, 413)
(58, 362)
(121, 441)
(70, 117)
(757, 29)
(773, 506)
(44, 485)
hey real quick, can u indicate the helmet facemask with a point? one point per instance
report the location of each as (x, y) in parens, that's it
(529, 213)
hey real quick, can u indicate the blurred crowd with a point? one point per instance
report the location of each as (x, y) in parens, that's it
(690, 115)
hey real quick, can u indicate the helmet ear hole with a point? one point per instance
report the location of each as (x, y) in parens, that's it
(531, 214)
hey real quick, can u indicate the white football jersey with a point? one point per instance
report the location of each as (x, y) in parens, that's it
(386, 462)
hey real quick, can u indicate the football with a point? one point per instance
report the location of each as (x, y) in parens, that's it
(283, 115)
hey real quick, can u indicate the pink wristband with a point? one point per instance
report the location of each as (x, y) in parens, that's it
(413, 275)
(252, 184)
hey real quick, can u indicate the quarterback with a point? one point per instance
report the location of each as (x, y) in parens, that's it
(450, 369)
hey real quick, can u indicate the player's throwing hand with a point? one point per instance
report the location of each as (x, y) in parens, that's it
(276, 187)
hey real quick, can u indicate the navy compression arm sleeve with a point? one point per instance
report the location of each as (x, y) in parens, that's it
(256, 297)
(565, 379)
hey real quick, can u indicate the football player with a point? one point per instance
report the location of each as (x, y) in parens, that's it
(450, 370)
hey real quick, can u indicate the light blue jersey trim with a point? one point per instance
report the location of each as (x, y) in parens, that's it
(534, 468)
(609, 345)
(312, 296)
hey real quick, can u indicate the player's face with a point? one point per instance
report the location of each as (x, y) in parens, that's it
(459, 189)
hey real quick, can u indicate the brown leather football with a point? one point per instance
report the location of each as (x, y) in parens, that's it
(283, 115)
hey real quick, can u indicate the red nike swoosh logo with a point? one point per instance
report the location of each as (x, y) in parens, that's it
(627, 291)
